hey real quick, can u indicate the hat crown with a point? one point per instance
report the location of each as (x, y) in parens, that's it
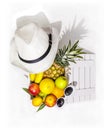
(31, 41)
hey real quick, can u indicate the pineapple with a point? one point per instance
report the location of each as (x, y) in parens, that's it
(54, 71)
(62, 60)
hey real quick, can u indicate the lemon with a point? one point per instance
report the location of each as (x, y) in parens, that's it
(58, 92)
(47, 85)
(37, 101)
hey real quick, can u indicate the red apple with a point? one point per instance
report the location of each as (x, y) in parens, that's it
(34, 89)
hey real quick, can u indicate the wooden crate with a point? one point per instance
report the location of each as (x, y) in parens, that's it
(84, 73)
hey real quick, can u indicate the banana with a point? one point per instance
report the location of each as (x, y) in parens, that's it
(32, 77)
(38, 77)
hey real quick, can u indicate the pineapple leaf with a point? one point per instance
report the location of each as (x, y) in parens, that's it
(68, 54)
(74, 46)
(80, 57)
(72, 61)
(69, 45)
(79, 50)
(82, 53)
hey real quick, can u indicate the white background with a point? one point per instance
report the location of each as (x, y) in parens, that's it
(15, 109)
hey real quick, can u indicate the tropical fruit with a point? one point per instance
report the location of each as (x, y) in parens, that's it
(38, 77)
(32, 77)
(63, 58)
(46, 86)
(54, 71)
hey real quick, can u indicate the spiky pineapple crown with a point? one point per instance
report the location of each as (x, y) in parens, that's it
(68, 54)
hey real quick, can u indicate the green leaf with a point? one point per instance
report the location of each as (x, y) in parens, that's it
(69, 45)
(72, 61)
(26, 90)
(31, 96)
(74, 46)
(73, 52)
(80, 57)
(79, 50)
(83, 53)
(68, 54)
(41, 107)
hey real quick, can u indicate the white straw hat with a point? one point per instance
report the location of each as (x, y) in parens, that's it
(35, 43)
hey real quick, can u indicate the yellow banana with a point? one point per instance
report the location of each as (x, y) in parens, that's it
(38, 77)
(32, 77)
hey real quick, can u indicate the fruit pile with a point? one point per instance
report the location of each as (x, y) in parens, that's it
(50, 87)
(46, 91)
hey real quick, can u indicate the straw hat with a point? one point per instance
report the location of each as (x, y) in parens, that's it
(35, 43)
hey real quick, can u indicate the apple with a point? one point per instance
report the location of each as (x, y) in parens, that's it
(34, 89)
(61, 82)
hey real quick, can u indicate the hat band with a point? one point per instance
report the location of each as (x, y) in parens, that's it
(40, 58)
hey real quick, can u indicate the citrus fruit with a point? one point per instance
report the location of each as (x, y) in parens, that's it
(47, 85)
(61, 82)
(50, 100)
(58, 92)
(34, 89)
(37, 101)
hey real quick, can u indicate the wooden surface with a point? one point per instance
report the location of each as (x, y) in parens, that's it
(84, 73)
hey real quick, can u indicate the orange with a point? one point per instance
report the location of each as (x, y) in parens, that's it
(47, 85)
(37, 101)
(50, 100)
(58, 92)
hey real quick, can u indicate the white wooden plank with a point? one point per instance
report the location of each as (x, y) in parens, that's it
(76, 98)
(93, 96)
(72, 74)
(86, 76)
(81, 98)
(76, 76)
(92, 57)
(87, 57)
(81, 95)
(69, 99)
(81, 76)
(93, 75)
(84, 73)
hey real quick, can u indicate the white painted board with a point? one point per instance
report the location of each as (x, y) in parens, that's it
(84, 73)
